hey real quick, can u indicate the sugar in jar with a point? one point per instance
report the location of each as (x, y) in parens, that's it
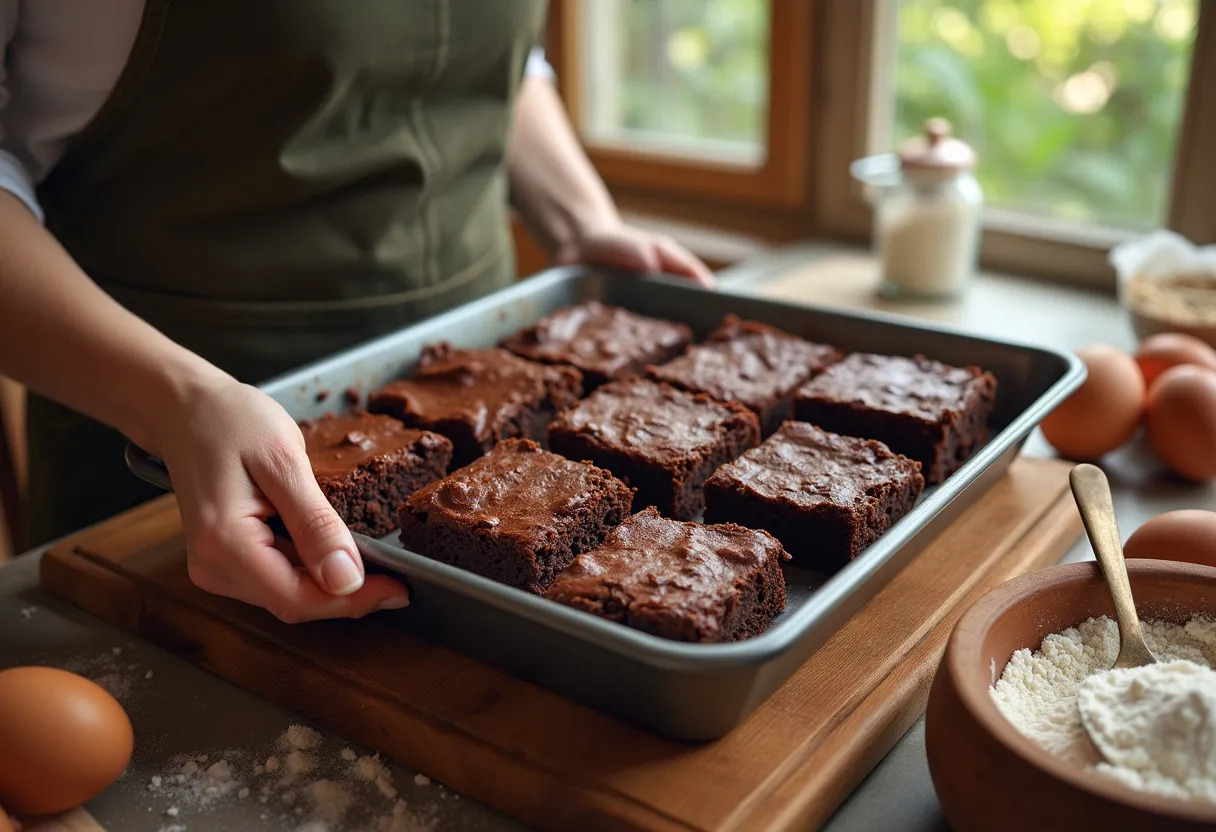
(927, 206)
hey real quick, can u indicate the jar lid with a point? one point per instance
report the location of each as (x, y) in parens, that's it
(936, 150)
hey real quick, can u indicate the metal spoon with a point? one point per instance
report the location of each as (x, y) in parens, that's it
(1092, 492)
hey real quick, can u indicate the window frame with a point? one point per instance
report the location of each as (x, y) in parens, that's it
(831, 63)
(779, 180)
(1193, 198)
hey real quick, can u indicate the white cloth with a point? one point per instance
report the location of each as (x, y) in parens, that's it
(59, 61)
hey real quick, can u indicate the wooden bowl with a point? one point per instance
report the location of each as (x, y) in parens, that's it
(987, 775)
(1146, 325)
(1198, 289)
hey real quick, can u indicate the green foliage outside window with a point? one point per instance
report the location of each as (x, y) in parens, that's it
(1073, 105)
(696, 69)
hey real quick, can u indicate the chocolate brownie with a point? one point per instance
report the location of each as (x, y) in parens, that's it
(682, 581)
(932, 412)
(752, 363)
(367, 464)
(518, 515)
(603, 342)
(662, 441)
(826, 497)
(478, 397)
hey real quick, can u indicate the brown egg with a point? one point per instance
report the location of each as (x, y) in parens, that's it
(5, 824)
(1169, 349)
(1104, 412)
(64, 739)
(1181, 420)
(1188, 535)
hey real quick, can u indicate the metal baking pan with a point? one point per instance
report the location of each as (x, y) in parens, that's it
(684, 691)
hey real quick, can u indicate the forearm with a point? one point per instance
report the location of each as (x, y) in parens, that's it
(554, 187)
(63, 337)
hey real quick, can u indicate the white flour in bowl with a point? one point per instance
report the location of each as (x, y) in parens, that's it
(1038, 693)
(1156, 726)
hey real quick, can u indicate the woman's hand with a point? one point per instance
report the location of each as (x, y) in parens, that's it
(237, 458)
(621, 246)
(564, 202)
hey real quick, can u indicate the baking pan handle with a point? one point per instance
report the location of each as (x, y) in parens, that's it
(147, 467)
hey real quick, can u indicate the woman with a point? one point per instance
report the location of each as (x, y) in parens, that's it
(231, 189)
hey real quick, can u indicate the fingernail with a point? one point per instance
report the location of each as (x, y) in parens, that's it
(398, 603)
(340, 573)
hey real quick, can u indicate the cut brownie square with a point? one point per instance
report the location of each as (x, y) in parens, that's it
(677, 580)
(517, 515)
(826, 497)
(603, 342)
(367, 464)
(662, 441)
(932, 412)
(752, 363)
(478, 397)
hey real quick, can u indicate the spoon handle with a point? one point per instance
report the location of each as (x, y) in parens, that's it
(1092, 492)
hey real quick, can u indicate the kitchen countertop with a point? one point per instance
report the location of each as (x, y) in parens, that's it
(181, 710)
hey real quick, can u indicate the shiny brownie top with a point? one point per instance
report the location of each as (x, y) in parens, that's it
(338, 444)
(655, 567)
(916, 386)
(748, 362)
(479, 387)
(807, 466)
(600, 338)
(647, 418)
(516, 489)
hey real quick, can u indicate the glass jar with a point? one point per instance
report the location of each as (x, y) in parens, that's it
(927, 214)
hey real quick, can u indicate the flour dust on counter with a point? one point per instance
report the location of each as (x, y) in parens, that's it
(301, 782)
(120, 677)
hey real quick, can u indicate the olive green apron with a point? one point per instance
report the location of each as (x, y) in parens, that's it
(272, 181)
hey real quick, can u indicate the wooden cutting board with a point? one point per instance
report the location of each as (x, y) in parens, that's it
(556, 764)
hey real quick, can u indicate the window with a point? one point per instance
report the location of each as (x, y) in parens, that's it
(1074, 108)
(1094, 119)
(680, 77)
(678, 97)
